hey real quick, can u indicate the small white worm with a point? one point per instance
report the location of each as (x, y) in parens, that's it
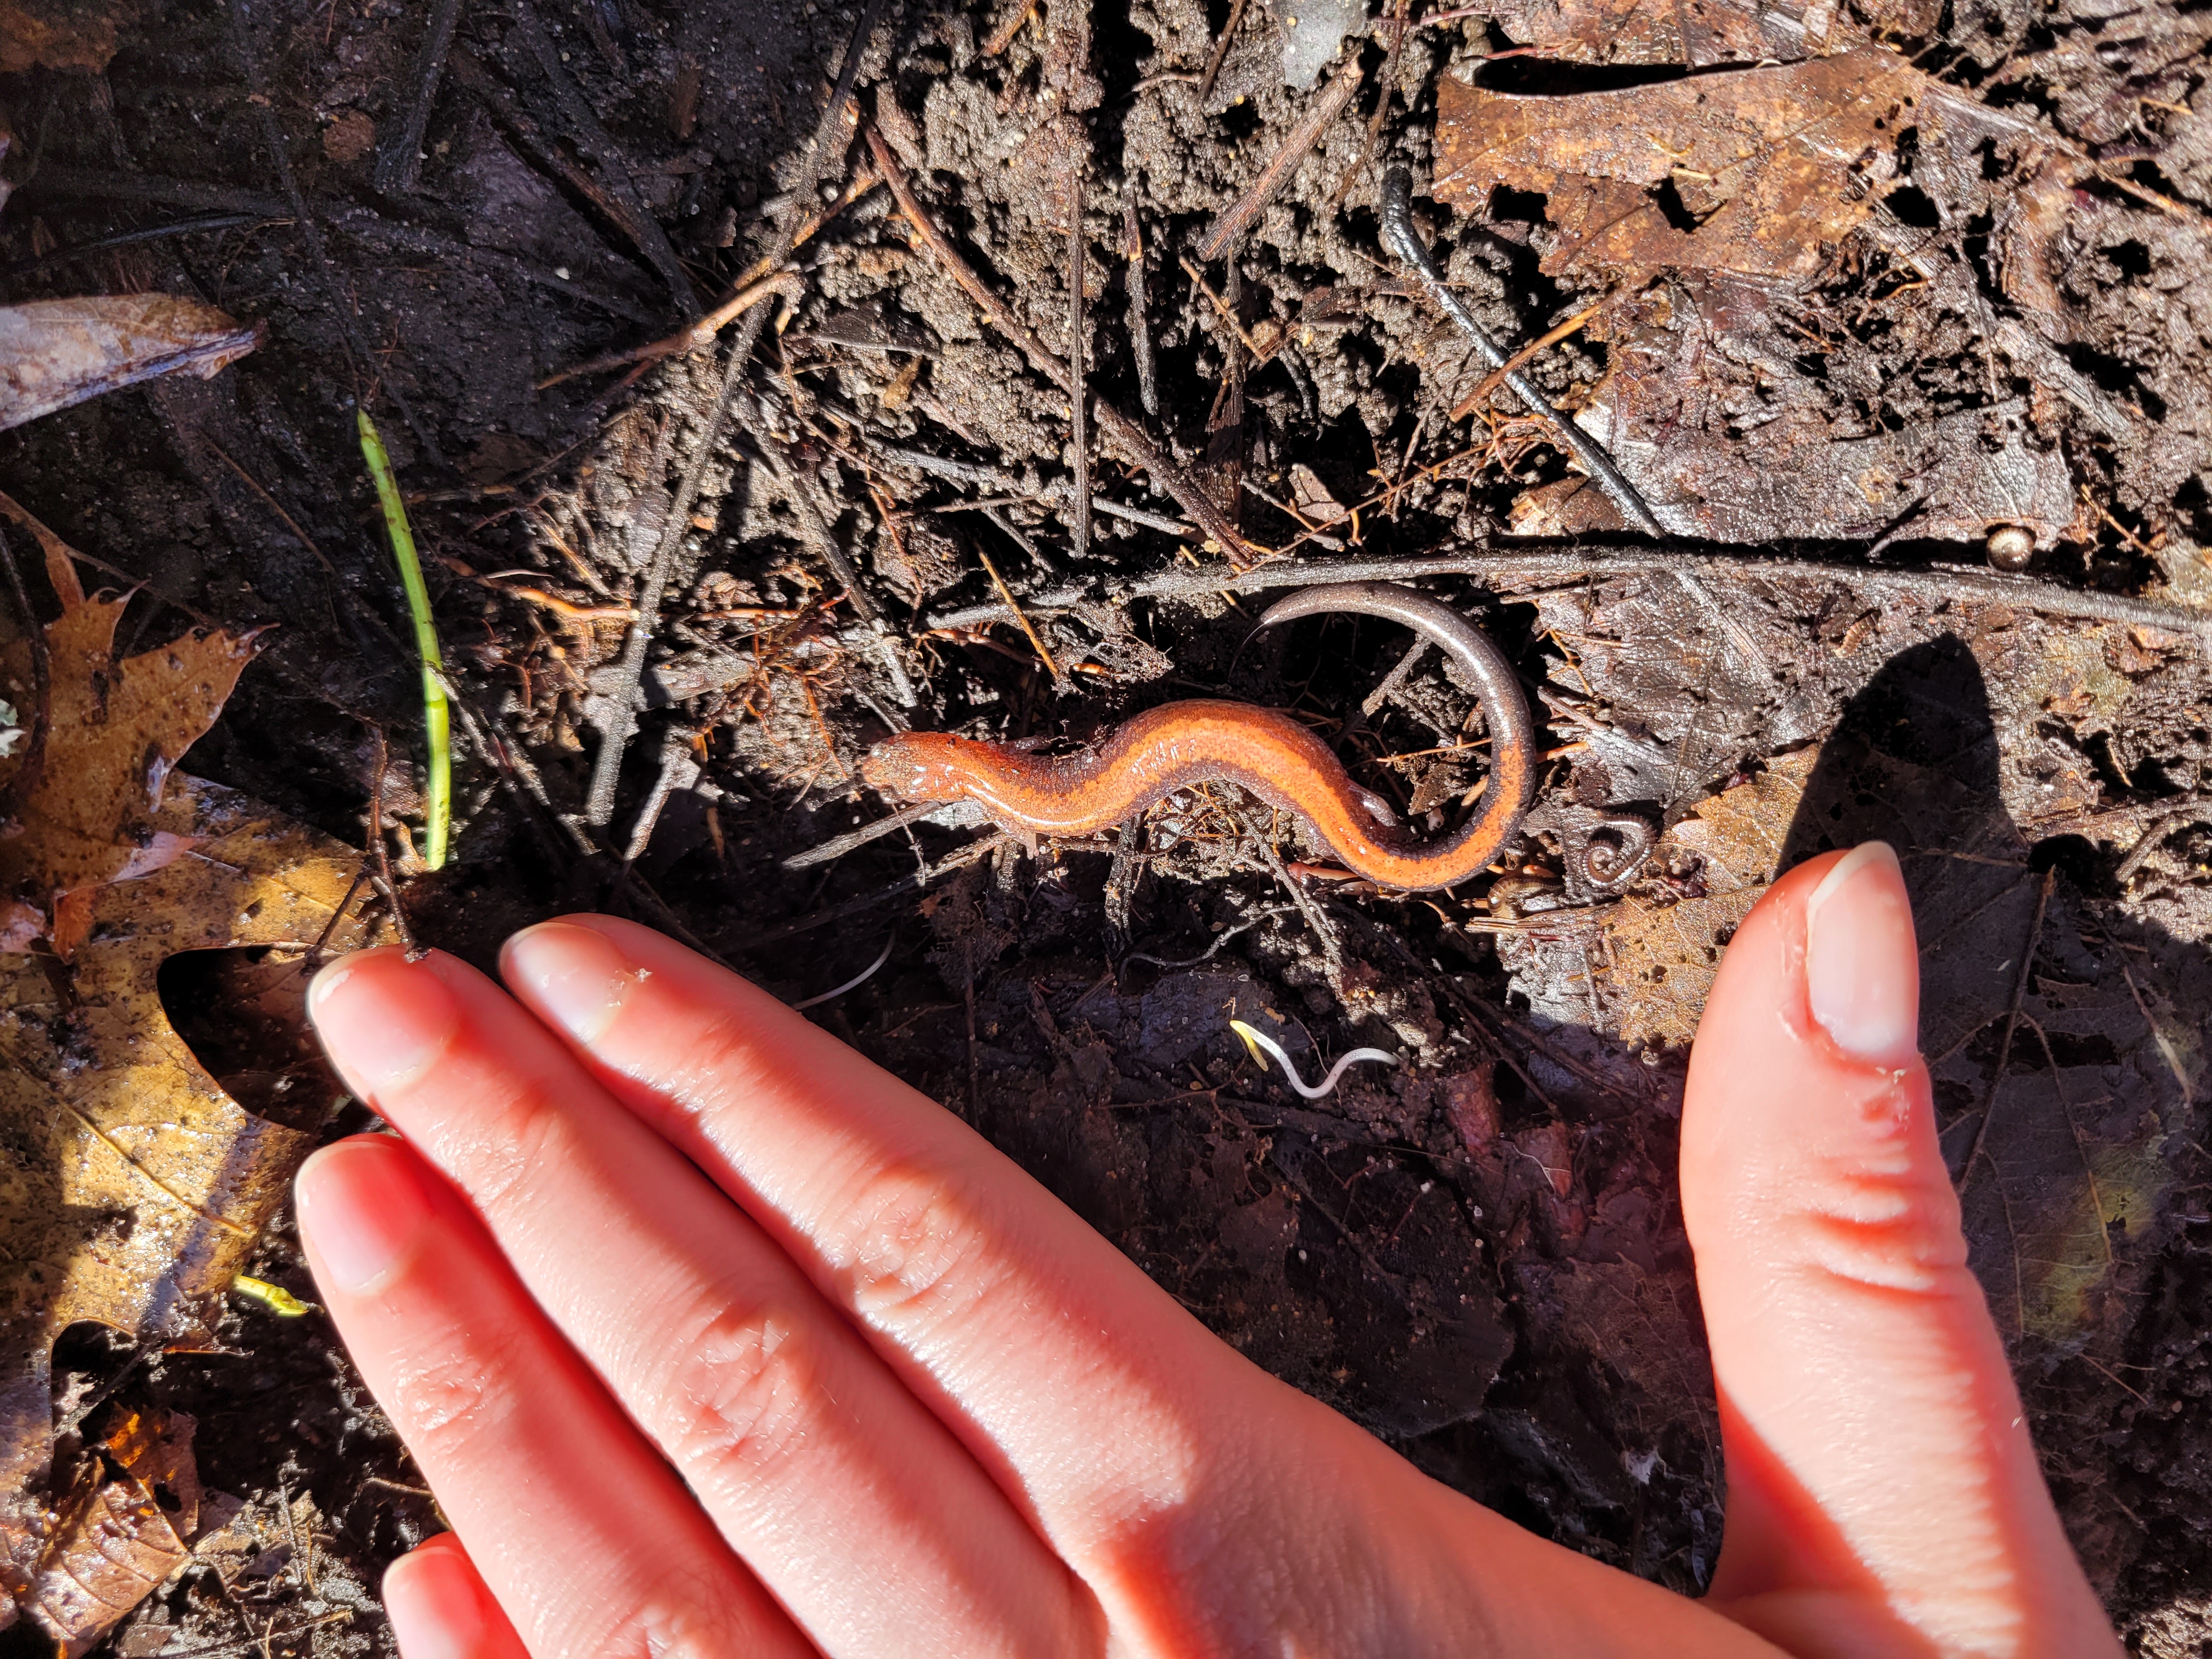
(853, 984)
(1256, 1040)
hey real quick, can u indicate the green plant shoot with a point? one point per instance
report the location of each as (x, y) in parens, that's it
(437, 716)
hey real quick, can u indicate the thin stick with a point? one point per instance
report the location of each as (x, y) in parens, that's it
(1007, 594)
(583, 126)
(399, 156)
(1398, 32)
(1230, 225)
(1228, 314)
(385, 883)
(1116, 427)
(1490, 382)
(1077, 349)
(2012, 1025)
(1402, 240)
(1140, 327)
(1946, 584)
(697, 335)
(1003, 36)
(1220, 54)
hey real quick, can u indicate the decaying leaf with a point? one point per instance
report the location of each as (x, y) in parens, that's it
(1705, 408)
(132, 1189)
(1758, 172)
(64, 34)
(83, 790)
(114, 1541)
(54, 353)
(1706, 32)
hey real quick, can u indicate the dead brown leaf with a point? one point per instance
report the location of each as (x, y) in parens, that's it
(135, 1188)
(1711, 32)
(115, 1541)
(83, 788)
(54, 353)
(1705, 410)
(1760, 173)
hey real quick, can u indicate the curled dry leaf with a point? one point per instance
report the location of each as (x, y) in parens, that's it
(134, 1188)
(54, 353)
(1759, 172)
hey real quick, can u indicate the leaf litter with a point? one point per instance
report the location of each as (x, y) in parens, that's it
(135, 1188)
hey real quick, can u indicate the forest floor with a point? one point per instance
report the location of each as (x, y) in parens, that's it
(1913, 291)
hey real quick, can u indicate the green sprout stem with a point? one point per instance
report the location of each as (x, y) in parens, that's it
(437, 716)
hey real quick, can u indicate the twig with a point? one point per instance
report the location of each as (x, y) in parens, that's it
(1003, 36)
(606, 765)
(990, 478)
(1944, 585)
(1007, 594)
(2151, 837)
(1116, 427)
(385, 883)
(196, 226)
(593, 138)
(1140, 325)
(1490, 382)
(2012, 1025)
(697, 335)
(1228, 313)
(272, 140)
(1402, 240)
(1389, 78)
(1078, 349)
(1220, 54)
(399, 154)
(1224, 230)
(838, 846)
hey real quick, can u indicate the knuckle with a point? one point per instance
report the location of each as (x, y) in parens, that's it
(742, 1393)
(919, 1251)
(512, 1145)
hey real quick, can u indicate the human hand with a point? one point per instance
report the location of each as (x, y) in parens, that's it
(714, 1338)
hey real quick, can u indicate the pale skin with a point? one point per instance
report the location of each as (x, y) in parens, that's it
(713, 1338)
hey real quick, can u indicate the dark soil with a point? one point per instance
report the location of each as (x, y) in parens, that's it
(1477, 1254)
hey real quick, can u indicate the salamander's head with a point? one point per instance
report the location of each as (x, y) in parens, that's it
(917, 765)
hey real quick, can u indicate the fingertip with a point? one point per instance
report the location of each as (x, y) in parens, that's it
(1861, 960)
(440, 1608)
(384, 1018)
(364, 1206)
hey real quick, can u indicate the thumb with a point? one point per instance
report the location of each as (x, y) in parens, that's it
(1883, 1495)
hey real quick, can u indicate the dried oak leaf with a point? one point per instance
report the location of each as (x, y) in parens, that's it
(81, 792)
(133, 1187)
(1704, 34)
(54, 353)
(1758, 172)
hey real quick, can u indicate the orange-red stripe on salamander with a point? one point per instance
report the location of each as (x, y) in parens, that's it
(1180, 744)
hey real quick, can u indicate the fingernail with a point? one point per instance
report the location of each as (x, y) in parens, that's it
(1861, 964)
(383, 1018)
(362, 1206)
(574, 976)
(436, 1602)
